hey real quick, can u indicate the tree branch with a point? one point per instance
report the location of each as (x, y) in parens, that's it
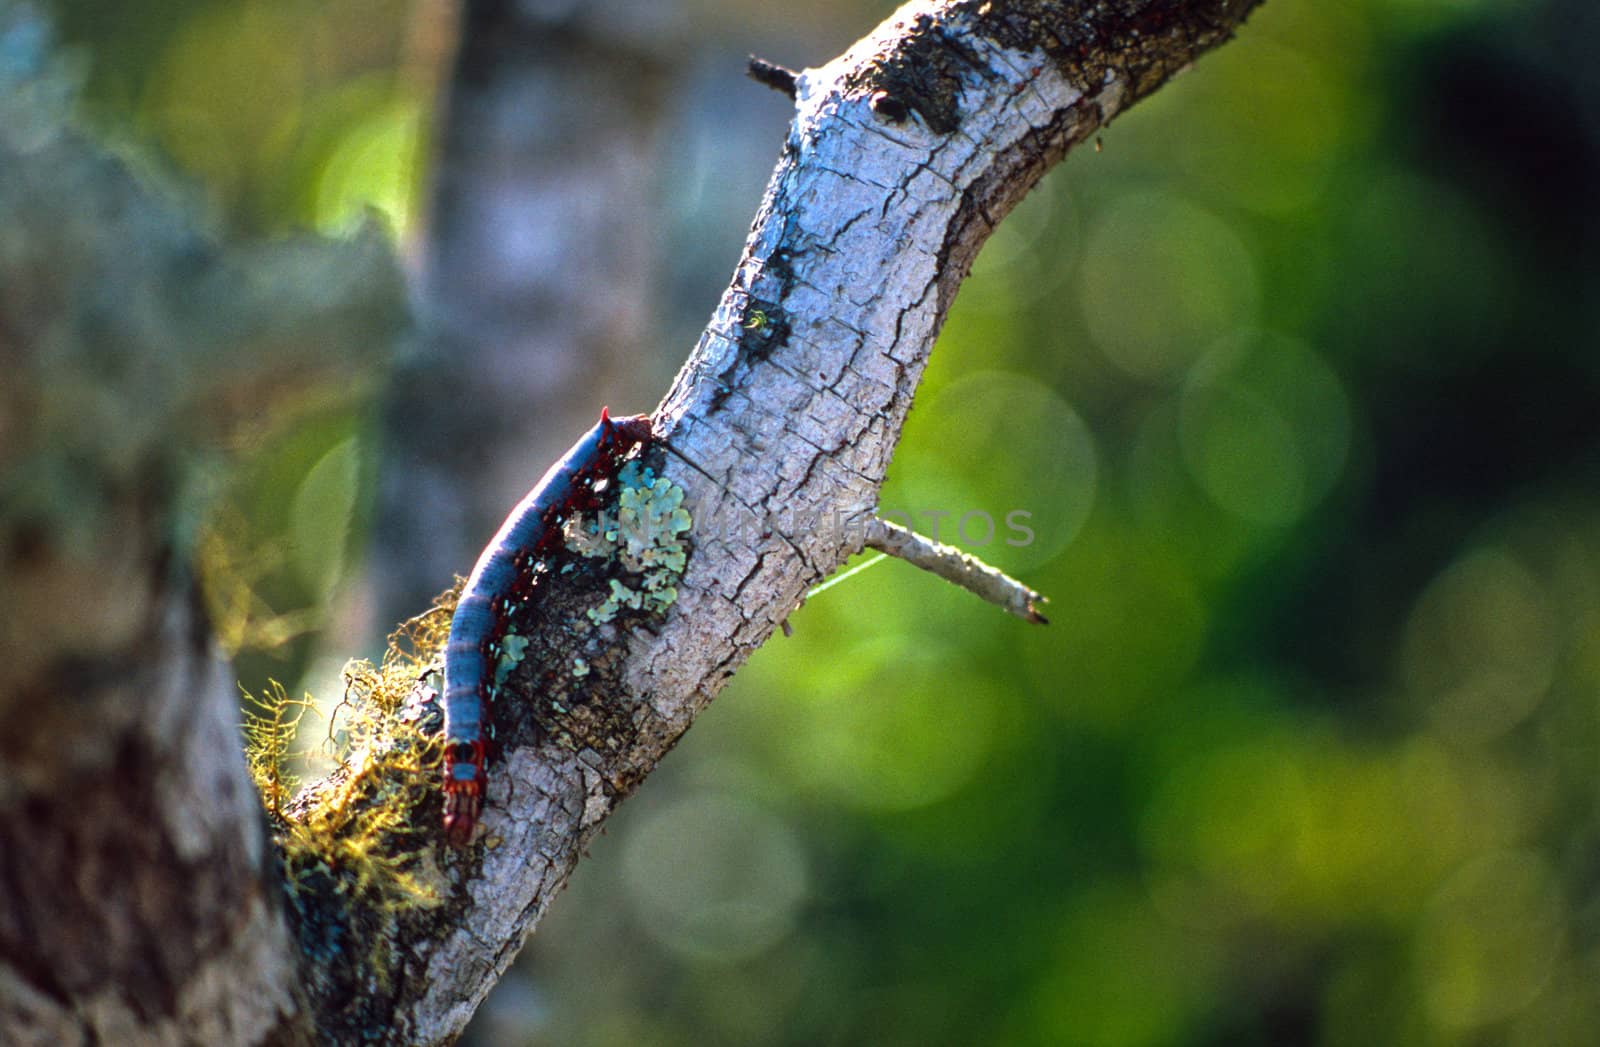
(777, 77)
(957, 568)
(903, 155)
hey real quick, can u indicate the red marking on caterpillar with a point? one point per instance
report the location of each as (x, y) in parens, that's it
(479, 625)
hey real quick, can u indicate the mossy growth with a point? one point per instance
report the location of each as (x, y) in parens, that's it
(356, 849)
(359, 849)
(645, 531)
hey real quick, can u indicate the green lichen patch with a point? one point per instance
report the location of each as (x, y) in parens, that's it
(511, 649)
(646, 532)
(622, 598)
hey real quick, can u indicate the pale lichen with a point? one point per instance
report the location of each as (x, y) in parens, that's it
(646, 532)
(511, 649)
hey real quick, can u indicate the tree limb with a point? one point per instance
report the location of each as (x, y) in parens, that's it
(957, 568)
(903, 155)
(140, 895)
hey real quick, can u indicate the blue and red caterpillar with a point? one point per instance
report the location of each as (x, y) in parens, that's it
(501, 576)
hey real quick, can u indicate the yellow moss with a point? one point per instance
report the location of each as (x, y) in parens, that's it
(355, 846)
(270, 724)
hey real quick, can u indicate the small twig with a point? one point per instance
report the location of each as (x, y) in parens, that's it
(953, 565)
(773, 75)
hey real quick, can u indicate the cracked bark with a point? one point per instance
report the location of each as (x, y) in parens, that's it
(902, 156)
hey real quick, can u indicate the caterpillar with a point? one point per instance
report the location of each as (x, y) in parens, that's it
(501, 577)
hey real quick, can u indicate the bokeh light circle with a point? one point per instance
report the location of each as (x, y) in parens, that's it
(891, 726)
(1005, 446)
(1489, 940)
(715, 877)
(1480, 648)
(374, 166)
(1162, 280)
(1264, 425)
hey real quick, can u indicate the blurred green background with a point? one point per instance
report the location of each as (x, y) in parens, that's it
(1297, 377)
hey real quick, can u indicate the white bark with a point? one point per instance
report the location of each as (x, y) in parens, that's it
(791, 404)
(902, 156)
